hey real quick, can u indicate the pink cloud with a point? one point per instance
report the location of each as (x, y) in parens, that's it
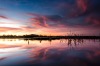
(82, 5)
(93, 20)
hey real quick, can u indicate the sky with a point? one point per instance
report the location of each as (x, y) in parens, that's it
(49, 17)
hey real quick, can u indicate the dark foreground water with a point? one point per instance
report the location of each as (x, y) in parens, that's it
(49, 53)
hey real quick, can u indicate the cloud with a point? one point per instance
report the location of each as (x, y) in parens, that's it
(89, 11)
(88, 6)
(2, 58)
(45, 20)
(6, 29)
(39, 22)
(93, 19)
(82, 5)
(3, 17)
(70, 13)
(82, 8)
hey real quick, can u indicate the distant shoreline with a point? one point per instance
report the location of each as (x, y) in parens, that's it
(41, 37)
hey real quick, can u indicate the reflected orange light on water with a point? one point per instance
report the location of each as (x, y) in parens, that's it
(19, 44)
(12, 44)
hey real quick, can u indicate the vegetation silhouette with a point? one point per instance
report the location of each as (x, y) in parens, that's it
(44, 37)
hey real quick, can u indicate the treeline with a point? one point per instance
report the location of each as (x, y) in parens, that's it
(19, 36)
(34, 36)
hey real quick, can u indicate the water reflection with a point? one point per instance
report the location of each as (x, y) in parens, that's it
(68, 41)
(65, 57)
(63, 52)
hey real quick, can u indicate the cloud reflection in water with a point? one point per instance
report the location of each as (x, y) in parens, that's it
(54, 53)
(66, 57)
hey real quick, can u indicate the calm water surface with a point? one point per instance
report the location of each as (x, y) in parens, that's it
(71, 52)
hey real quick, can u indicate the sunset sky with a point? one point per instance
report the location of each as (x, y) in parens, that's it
(49, 17)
